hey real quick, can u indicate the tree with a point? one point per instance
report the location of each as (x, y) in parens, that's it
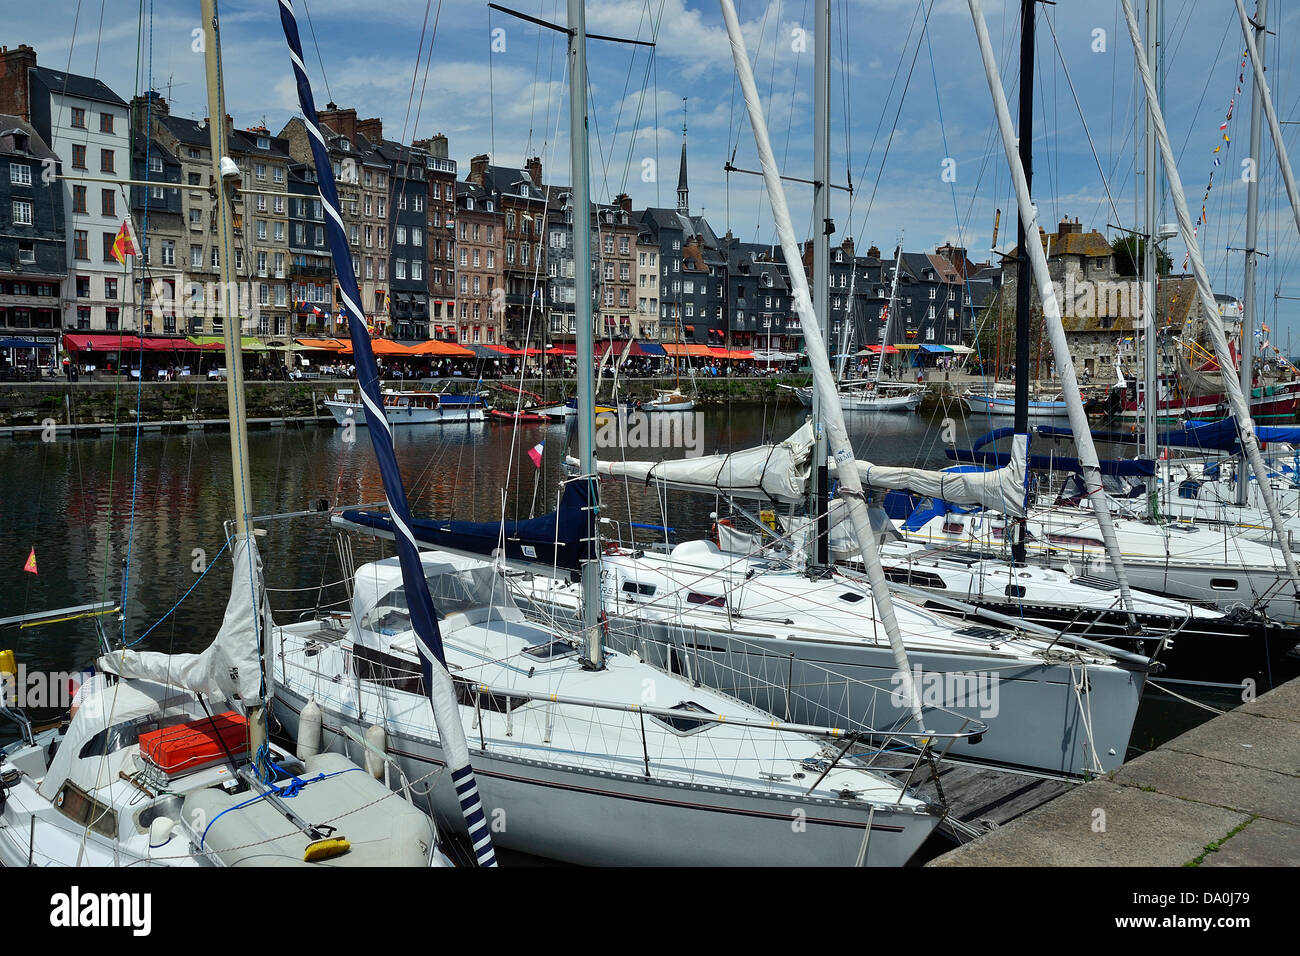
(1129, 251)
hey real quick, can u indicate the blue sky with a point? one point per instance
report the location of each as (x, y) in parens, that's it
(512, 103)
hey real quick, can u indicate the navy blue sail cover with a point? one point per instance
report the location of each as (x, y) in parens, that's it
(562, 539)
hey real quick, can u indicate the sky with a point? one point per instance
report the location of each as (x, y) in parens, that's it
(909, 104)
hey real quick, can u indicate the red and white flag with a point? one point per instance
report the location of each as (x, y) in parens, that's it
(535, 454)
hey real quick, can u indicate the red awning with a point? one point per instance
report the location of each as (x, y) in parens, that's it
(604, 345)
(80, 342)
(562, 350)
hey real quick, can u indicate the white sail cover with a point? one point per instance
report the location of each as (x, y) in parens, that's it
(230, 668)
(780, 473)
(769, 472)
(1002, 489)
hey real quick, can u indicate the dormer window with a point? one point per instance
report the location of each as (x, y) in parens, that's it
(263, 142)
(469, 203)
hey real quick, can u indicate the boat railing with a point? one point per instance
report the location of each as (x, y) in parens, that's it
(914, 746)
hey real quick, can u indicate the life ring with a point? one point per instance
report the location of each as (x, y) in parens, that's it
(611, 549)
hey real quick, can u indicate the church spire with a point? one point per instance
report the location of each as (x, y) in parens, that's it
(683, 193)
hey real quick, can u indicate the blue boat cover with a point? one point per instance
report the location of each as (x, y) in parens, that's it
(562, 539)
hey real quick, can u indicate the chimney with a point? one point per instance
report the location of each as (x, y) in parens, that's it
(144, 105)
(954, 254)
(14, 90)
(438, 146)
(873, 253)
(372, 129)
(847, 246)
(1066, 227)
(342, 122)
(534, 167)
(478, 169)
(624, 202)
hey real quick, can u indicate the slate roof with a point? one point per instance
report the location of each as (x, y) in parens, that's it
(83, 87)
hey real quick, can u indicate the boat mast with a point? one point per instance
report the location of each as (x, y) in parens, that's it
(1248, 324)
(836, 434)
(819, 504)
(232, 327)
(849, 326)
(889, 306)
(1051, 310)
(1150, 262)
(1238, 404)
(1274, 128)
(578, 162)
(1023, 287)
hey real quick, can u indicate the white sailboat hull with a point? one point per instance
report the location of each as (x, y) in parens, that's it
(565, 756)
(582, 817)
(856, 400)
(842, 671)
(354, 412)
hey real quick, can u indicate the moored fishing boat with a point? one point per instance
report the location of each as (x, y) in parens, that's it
(410, 407)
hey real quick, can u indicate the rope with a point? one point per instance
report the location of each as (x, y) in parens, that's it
(288, 791)
(182, 598)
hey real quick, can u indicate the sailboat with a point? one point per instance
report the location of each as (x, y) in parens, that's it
(1214, 565)
(873, 394)
(573, 739)
(146, 772)
(819, 648)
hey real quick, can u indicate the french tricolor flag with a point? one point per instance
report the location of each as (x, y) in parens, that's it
(535, 454)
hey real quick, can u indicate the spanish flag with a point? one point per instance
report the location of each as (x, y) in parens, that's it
(124, 245)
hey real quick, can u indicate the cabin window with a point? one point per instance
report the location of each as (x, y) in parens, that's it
(636, 587)
(1015, 591)
(1223, 584)
(921, 579)
(386, 669)
(685, 726)
(114, 738)
(550, 651)
(468, 693)
(980, 633)
(84, 810)
(708, 600)
(1069, 540)
(1097, 583)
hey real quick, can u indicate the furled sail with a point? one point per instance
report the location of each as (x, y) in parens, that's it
(230, 668)
(442, 693)
(780, 473)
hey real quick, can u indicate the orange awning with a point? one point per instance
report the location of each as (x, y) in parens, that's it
(436, 347)
(332, 345)
(681, 350)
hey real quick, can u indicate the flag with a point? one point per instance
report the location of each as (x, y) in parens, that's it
(535, 454)
(124, 245)
(30, 566)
